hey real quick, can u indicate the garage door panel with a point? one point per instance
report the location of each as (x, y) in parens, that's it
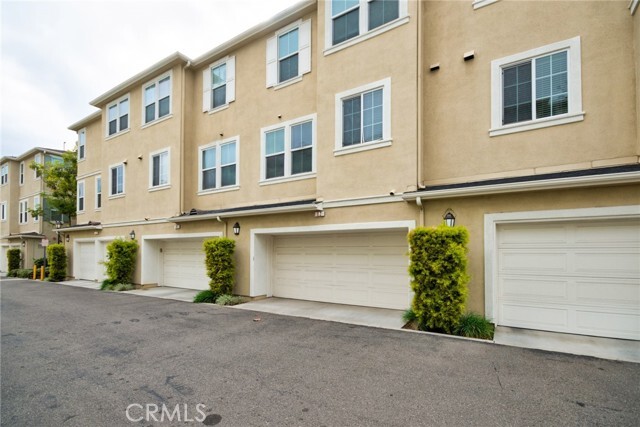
(85, 258)
(183, 264)
(585, 281)
(352, 268)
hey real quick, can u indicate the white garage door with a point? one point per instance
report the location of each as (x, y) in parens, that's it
(183, 264)
(85, 261)
(368, 269)
(580, 277)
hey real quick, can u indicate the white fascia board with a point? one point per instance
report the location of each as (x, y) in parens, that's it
(547, 184)
(85, 121)
(81, 228)
(247, 212)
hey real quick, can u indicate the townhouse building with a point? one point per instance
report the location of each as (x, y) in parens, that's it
(319, 139)
(21, 189)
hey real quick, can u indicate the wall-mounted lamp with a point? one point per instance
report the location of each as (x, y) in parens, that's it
(58, 224)
(67, 239)
(236, 229)
(24, 243)
(449, 218)
(132, 235)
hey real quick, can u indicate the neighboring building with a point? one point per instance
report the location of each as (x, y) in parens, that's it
(22, 189)
(329, 132)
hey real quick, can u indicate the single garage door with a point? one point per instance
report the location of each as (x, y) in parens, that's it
(579, 277)
(368, 269)
(183, 264)
(85, 261)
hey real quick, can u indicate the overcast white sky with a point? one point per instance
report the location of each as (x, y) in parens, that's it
(58, 55)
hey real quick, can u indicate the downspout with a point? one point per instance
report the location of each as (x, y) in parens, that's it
(182, 118)
(224, 227)
(419, 204)
(420, 96)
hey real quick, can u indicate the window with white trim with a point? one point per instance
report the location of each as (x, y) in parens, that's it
(37, 160)
(118, 116)
(80, 196)
(363, 115)
(289, 53)
(352, 19)
(3, 211)
(36, 206)
(538, 88)
(218, 84)
(21, 178)
(159, 169)
(116, 180)
(4, 174)
(82, 144)
(157, 98)
(288, 149)
(23, 211)
(98, 192)
(218, 165)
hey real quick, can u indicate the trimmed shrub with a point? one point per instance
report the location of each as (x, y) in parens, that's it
(22, 273)
(439, 276)
(122, 287)
(229, 300)
(220, 264)
(38, 262)
(13, 257)
(207, 296)
(473, 325)
(107, 284)
(121, 260)
(57, 262)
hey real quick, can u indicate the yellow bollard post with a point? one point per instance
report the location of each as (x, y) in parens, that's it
(42, 273)
(35, 269)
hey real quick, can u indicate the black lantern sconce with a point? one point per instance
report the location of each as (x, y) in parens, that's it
(449, 218)
(132, 235)
(236, 229)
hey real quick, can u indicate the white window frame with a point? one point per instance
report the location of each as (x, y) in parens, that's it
(218, 145)
(3, 211)
(156, 82)
(574, 114)
(151, 156)
(124, 181)
(21, 174)
(37, 159)
(98, 201)
(36, 205)
(207, 84)
(82, 144)
(23, 211)
(287, 150)
(4, 174)
(385, 85)
(364, 33)
(118, 130)
(303, 52)
(81, 195)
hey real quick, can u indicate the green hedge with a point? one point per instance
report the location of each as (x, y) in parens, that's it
(22, 273)
(13, 256)
(439, 276)
(121, 260)
(57, 259)
(220, 264)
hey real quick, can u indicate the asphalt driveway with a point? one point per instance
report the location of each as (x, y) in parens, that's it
(80, 357)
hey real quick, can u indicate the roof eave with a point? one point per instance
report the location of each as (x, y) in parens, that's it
(247, 212)
(85, 121)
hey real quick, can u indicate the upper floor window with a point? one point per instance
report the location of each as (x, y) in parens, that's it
(21, 173)
(219, 165)
(218, 84)
(537, 88)
(80, 197)
(23, 211)
(82, 142)
(353, 19)
(118, 116)
(36, 207)
(363, 116)
(159, 169)
(4, 174)
(3, 211)
(288, 149)
(98, 192)
(289, 53)
(157, 98)
(38, 160)
(116, 180)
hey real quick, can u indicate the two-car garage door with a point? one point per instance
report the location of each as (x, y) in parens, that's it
(580, 277)
(368, 269)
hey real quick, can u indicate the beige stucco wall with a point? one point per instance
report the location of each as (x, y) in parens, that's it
(636, 56)
(457, 98)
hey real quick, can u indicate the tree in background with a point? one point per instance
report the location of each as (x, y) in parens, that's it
(60, 181)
